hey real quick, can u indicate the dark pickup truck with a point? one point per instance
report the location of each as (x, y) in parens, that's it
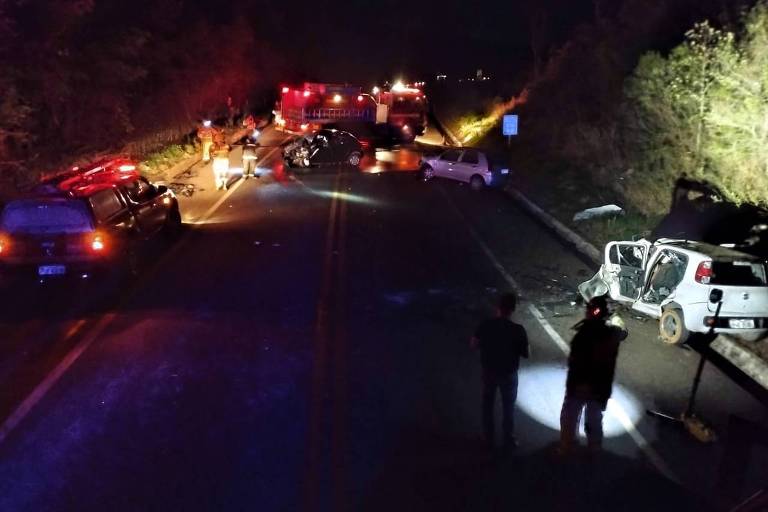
(77, 225)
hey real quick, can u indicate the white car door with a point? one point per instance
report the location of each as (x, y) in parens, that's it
(624, 269)
(446, 164)
(469, 165)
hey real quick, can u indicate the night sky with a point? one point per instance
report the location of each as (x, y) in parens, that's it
(368, 41)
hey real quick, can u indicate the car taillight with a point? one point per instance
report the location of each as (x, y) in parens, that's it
(97, 243)
(704, 272)
(3, 246)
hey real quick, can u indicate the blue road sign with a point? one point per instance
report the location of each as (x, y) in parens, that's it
(509, 124)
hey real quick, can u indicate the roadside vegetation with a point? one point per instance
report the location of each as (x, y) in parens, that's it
(83, 77)
(156, 163)
(633, 110)
(645, 93)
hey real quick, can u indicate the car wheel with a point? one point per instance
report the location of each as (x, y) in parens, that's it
(477, 182)
(427, 172)
(132, 264)
(172, 227)
(354, 159)
(672, 327)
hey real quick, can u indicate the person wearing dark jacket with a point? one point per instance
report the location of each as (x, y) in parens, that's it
(249, 157)
(591, 368)
(502, 343)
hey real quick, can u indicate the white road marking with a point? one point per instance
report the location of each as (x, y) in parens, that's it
(209, 213)
(42, 389)
(614, 408)
(39, 392)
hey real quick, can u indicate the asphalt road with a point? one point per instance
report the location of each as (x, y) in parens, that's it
(304, 346)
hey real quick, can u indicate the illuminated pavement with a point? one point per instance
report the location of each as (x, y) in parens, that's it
(304, 347)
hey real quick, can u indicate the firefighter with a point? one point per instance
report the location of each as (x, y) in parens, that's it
(206, 134)
(221, 166)
(249, 123)
(249, 155)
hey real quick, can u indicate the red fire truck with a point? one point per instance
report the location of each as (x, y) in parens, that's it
(401, 111)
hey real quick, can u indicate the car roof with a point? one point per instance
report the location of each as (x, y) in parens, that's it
(87, 180)
(714, 251)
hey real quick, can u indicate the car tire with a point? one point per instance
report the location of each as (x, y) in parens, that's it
(172, 228)
(132, 262)
(672, 327)
(354, 159)
(476, 182)
(427, 172)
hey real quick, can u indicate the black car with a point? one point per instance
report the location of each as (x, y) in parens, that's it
(84, 224)
(326, 147)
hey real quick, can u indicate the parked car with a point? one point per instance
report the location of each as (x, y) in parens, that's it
(466, 165)
(326, 147)
(82, 223)
(681, 282)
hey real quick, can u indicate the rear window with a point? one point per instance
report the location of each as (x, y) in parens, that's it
(38, 217)
(105, 204)
(738, 273)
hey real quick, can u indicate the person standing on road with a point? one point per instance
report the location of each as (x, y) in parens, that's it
(591, 368)
(221, 166)
(250, 146)
(206, 135)
(502, 343)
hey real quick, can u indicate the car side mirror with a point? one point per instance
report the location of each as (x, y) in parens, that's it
(715, 296)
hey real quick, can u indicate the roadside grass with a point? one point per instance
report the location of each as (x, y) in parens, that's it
(155, 164)
(630, 226)
(562, 189)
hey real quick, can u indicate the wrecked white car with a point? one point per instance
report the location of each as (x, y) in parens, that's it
(681, 282)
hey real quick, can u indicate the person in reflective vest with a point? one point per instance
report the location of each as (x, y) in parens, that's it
(221, 166)
(206, 134)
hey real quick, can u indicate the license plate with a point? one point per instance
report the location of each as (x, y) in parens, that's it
(741, 323)
(51, 270)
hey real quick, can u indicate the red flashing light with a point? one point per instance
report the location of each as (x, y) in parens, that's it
(286, 90)
(360, 98)
(704, 272)
(127, 167)
(306, 94)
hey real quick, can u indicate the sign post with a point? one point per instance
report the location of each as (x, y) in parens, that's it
(509, 127)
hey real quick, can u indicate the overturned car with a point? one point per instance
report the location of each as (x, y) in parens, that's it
(681, 283)
(326, 147)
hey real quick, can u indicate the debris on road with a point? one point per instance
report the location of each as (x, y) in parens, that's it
(608, 210)
(182, 189)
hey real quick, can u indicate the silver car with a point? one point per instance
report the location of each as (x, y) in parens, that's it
(462, 164)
